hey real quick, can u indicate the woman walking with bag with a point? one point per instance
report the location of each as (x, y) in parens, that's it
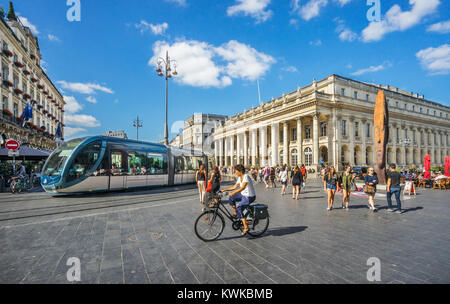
(200, 178)
(284, 179)
(331, 184)
(215, 180)
(370, 187)
(297, 180)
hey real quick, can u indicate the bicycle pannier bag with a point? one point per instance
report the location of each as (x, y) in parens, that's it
(260, 211)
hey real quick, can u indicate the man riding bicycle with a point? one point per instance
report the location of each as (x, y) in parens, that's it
(243, 194)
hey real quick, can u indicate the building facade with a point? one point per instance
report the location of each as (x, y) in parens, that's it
(24, 81)
(331, 122)
(198, 132)
(116, 134)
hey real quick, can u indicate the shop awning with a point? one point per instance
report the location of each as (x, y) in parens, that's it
(26, 153)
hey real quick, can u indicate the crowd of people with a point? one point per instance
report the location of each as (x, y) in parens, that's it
(296, 177)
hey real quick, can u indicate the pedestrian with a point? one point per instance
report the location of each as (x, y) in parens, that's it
(330, 184)
(347, 180)
(370, 187)
(215, 180)
(284, 179)
(304, 175)
(393, 187)
(261, 174)
(297, 180)
(266, 176)
(200, 178)
(272, 178)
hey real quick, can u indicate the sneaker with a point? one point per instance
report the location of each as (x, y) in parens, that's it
(390, 210)
(399, 211)
(343, 207)
(328, 209)
(370, 207)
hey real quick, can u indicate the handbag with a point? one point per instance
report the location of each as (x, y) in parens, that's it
(369, 189)
(209, 188)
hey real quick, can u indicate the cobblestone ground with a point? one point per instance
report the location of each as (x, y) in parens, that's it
(148, 237)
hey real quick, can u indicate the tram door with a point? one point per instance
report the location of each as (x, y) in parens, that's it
(118, 170)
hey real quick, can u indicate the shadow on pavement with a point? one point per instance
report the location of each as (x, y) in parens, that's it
(284, 230)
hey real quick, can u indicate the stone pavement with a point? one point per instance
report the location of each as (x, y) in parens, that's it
(148, 237)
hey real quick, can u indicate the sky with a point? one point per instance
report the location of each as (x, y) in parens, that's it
(104, 64)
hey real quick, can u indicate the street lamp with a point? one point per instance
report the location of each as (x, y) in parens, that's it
(165, 67)
(138, 124)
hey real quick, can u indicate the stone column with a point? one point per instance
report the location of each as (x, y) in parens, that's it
(275, 136)
(245, 148)
(221, 152)
(351, 145)
(238, 148)
(216, 152)
(336, 136)
(363, 140)
(227, 151)
(316, 139)
(286, 143)
(299, 141)
(263, 145)
(232, 162)
(254, 145)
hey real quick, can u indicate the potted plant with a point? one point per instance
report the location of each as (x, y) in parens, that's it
(7, 112)
(18, 91)
(26, 96)
(7, 83)
(7, 52)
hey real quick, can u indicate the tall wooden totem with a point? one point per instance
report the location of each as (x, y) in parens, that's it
(381, 122)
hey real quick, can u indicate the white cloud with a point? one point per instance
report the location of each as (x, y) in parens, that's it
(440, 27)
(398, 20)
(27, 23)
(345, 34)
(290, 69)
(316, 42)
(84, 88)
(436, 60)
(157, 29)
(81, 120)
(69, 132)
(255, 8)
(200, 64)
(372, 69)
(52, 38)
(310, 9)
(91, 99)
(72, 105)
(343, 2)
(179, 2)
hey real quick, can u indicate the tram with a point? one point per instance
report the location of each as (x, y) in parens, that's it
(103, 164)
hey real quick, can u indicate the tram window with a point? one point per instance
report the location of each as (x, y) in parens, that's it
(116, 163)
(84, 161)
(144, 163)
(102, 169)
(179, 165)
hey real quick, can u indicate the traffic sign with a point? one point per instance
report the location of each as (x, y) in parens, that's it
(13, 153)
(12, 145)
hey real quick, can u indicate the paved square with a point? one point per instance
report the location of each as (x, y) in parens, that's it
(148, 237)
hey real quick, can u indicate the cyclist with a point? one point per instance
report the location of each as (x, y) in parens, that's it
(243, 194)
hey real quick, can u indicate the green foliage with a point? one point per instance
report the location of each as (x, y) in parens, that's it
(2, 13)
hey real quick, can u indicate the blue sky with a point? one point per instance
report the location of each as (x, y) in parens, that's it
(103, 64)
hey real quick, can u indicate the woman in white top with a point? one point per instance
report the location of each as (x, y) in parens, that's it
(243, 194)
(284, 179)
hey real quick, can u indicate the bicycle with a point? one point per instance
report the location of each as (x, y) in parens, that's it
(19, 184)
(210, 224)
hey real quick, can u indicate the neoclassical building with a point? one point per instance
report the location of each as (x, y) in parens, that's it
(331, 121)
(24, 81)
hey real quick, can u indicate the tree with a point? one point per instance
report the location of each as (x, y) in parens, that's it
(11, 13)
(2, 13)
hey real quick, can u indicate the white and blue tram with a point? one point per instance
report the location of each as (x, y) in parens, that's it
(102, 164)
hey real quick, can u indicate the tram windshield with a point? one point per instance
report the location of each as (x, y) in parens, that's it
(56, 162)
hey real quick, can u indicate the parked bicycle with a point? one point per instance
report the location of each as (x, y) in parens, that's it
(19, 184)
(210, 224)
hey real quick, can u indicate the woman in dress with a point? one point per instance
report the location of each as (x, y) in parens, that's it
(371, 181)
(200, 178)
(297, 180)
(215, 180)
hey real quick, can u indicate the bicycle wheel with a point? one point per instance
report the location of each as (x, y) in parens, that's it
(209, 226)
(258, 227)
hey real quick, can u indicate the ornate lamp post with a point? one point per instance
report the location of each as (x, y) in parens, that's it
(165, 67)
(138, 124)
